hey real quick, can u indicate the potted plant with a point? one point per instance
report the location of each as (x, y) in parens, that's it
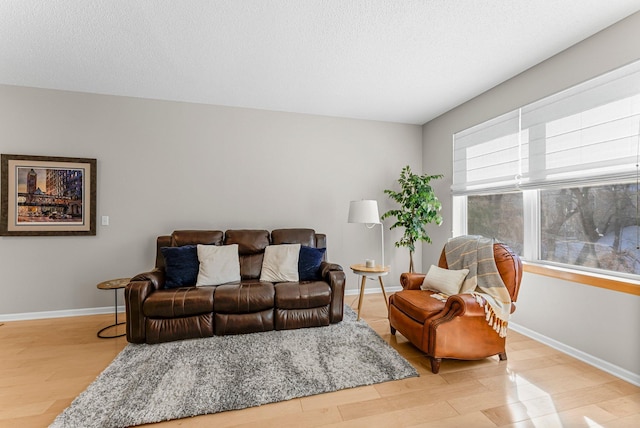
(419, 206)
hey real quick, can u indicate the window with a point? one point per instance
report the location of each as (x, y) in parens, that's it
(591, 227)
(557, 179)
(497, 215)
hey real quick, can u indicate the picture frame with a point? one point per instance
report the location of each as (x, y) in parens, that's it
(47, 195)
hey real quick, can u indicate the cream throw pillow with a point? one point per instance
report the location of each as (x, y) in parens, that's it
(218, 264)
(280, 263)
(444, 280)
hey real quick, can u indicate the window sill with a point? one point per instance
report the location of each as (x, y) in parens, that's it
(610, 283)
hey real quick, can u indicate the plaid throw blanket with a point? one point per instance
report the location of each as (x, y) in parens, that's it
(483, 281)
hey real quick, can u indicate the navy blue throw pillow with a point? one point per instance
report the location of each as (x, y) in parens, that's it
(180, 266)
(309, 263)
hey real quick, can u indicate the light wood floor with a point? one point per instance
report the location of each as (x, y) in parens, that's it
(45, 364)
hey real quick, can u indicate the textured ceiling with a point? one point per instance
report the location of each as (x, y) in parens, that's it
(399, 61)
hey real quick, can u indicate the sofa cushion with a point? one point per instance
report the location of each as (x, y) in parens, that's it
(167, 329)
(280, 263)
(254, 322)
(194, 237)
(244, 297)
(294, 236)
(309, 263)
(218, 264)
(181, 266)
(179, 302)
(249, 241)
(417, 304)
(305, 295)
(251, 245)
(286, 319)
(445, 281)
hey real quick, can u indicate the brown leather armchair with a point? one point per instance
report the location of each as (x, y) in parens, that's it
(456, 328)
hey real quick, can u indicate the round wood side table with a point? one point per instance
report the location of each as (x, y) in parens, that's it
(370, 272)
(115, 285)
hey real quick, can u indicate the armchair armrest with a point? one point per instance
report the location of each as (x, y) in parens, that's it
(463, 304)
(336, 278)
(460, 331)
(412, 280)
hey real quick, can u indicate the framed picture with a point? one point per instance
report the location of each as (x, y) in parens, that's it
(45, 196)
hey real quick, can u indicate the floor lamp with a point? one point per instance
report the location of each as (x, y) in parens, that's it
(366, 212)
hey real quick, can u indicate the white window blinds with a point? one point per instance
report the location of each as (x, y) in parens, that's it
(488, 156)
(586, 134)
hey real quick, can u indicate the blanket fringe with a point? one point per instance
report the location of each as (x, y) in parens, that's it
(498, 325)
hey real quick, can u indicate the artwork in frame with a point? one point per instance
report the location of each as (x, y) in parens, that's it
(47, 196)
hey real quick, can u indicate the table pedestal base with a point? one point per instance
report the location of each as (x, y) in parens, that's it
(103, 336)
(116, 323)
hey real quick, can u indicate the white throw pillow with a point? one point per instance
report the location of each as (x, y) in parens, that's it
(218, 264)
(280, 263)
(445, 281)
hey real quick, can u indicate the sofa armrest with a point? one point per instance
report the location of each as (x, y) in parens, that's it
(412, 280)
(334, 275)
(156, 277)
(326, 267)
(135, 293)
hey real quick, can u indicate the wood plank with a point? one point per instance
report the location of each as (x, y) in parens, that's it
(47, 363)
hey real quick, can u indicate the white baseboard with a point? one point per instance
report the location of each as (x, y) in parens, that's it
(59, 314)
(603, 365)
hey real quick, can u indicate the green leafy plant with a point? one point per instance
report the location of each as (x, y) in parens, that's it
(419, 206)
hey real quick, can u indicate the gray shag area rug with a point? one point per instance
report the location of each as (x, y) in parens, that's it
(154, 383)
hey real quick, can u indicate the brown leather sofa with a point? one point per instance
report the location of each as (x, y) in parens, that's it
(456, 328)
(158, 314)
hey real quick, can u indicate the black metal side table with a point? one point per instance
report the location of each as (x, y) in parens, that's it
(115, 285)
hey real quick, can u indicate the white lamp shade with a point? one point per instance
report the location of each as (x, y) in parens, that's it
(365, 211)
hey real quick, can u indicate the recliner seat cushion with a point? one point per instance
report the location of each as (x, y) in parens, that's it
(304, 295)
(287, 319)
(244, 297)
(179, 302)
(244, 323)
(417, 304)
(167, 329)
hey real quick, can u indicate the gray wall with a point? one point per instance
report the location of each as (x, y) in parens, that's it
(166, 165)
(599, 323)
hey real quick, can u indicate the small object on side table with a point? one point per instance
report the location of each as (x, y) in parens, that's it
(374, 272)
(115, 285)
